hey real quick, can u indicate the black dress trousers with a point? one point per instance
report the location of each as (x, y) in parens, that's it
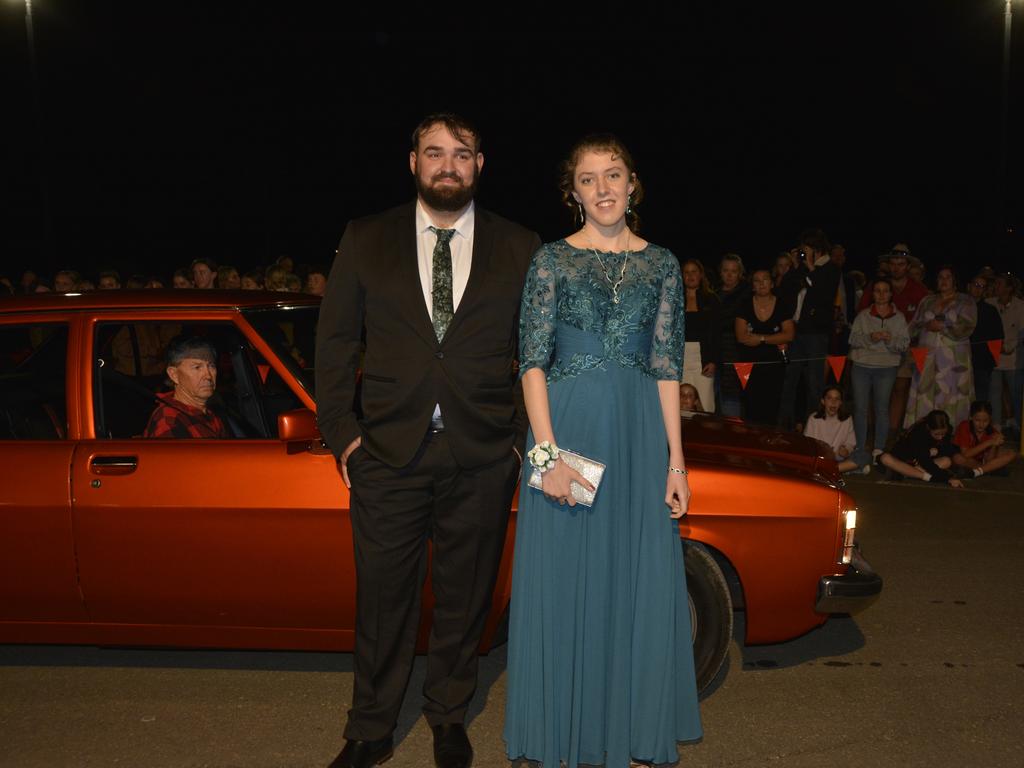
(463, 514)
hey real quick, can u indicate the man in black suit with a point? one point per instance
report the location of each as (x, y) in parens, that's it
(434, 287)
(815, 308)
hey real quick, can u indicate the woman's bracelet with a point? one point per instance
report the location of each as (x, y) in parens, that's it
(678, 470)
(543, 456)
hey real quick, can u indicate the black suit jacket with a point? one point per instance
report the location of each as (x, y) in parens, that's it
(818, 308)
(374, 293)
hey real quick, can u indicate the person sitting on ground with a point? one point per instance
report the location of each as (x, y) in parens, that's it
(183, 412)
(832, 425)
(689, 399)
(981, 444)
(925, 452)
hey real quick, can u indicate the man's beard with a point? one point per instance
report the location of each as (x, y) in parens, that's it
(449, 198)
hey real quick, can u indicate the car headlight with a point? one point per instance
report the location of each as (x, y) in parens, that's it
(850, 524)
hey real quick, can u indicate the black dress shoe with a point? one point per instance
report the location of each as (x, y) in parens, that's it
(451, 746)
(364, 754)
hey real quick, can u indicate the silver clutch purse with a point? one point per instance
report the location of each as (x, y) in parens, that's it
(590, 469)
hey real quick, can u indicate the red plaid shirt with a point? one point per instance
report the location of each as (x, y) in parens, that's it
(173, 418)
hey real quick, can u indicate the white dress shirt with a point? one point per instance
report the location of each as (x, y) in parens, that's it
(462, 254)
(461, 246)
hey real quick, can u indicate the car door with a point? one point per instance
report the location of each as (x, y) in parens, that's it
(38, 583)
(238, 534)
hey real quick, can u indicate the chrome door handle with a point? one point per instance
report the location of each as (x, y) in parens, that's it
(113, 465)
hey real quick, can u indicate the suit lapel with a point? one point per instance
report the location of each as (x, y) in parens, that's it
(478, 269)
(409, 275)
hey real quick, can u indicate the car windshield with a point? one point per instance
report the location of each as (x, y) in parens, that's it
(291, 333)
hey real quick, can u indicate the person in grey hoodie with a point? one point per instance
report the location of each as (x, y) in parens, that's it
(878, 339)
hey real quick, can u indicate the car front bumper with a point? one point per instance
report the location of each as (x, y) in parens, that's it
(855, 590)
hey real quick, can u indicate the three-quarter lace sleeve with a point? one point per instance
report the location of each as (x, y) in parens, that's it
(669, 336)
(537, 313)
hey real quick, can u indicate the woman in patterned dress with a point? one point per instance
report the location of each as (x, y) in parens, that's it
(943, 324)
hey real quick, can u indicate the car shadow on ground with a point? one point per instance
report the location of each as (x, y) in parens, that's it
(839, 636)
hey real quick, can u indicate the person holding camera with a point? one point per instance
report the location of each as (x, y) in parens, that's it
(819, 281)
(943, 324)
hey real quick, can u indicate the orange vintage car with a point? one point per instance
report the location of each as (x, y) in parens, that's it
(107, 537)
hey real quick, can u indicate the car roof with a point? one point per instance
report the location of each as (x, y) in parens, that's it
(156, 298)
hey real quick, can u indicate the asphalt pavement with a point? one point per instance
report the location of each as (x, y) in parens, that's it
(931, 675)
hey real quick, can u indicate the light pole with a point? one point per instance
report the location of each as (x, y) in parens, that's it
(1004, 137)
(37, 113)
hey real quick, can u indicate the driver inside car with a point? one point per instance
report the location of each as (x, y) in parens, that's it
(183, 412)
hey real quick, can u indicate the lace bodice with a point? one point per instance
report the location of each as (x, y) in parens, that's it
(567, 286)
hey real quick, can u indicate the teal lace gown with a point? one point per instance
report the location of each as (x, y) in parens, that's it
(600, 667)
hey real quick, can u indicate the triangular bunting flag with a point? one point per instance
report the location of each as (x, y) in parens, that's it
(837, 363)
(743, 371)
(995, 347)
(264, 369)
(920, 355)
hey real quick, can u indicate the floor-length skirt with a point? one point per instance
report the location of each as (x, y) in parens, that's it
(945, 383)
(600, 662)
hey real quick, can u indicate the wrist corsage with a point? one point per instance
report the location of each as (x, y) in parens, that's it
(543, 456)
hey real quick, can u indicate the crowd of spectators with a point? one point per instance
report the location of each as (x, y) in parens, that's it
(765, 348)
(911, 350)
(203, 273)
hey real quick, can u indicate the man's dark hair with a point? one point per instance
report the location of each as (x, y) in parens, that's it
(458, 126)
(816, 239)
(187, 346)
(318, 269)
(208, 262)
(110, 273)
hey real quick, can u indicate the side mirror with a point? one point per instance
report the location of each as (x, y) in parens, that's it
(297, 426)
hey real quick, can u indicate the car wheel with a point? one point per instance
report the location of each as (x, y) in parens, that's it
(710, 612)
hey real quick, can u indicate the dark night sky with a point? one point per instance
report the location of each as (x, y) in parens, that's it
(242, 131)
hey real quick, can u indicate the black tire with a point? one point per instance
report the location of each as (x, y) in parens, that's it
(710, 612)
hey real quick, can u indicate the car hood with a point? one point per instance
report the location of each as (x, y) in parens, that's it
(709, 439)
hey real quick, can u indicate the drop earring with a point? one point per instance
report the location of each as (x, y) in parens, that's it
(629, 205)
(583, 216)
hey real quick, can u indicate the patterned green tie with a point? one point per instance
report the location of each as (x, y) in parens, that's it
(441, 279)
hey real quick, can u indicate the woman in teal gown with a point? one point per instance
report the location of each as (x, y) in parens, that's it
(600, 663)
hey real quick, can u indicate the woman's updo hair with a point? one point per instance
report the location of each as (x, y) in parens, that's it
(600, 142)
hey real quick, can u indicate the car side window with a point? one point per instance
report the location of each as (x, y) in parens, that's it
(33, 367)
(130, 375)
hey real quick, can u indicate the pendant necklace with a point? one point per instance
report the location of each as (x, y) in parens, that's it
(622, 273)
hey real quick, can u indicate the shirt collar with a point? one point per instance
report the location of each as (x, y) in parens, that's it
(463, 225)
(173, 402)
(892, 311)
